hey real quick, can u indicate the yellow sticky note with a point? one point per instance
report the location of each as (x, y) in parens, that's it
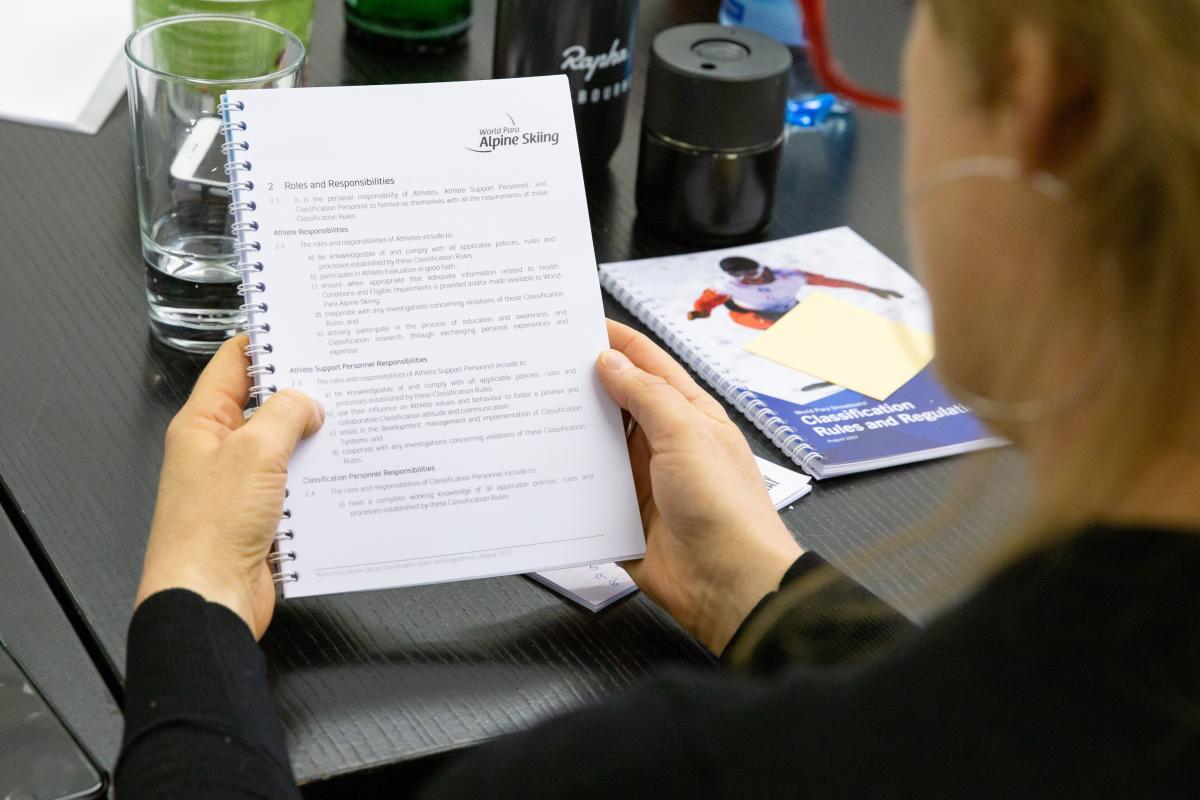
(846, 345)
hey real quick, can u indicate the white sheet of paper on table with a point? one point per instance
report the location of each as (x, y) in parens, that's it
(598, 586)
(63, 62)
(595, 587)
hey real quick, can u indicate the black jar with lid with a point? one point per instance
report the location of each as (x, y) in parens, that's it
(712, 132)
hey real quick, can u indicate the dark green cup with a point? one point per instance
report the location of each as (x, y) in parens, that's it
(419, 24)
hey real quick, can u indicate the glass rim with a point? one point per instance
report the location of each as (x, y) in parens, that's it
(149, 27)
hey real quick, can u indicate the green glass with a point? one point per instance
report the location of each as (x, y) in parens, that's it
(294, 15)
(425, 24)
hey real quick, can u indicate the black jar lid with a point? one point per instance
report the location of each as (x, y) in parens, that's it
(716, 87)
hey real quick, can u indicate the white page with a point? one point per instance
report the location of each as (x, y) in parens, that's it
(467, 434)
(63, 61)
(597, 586)
(785, 486)
(594, 586)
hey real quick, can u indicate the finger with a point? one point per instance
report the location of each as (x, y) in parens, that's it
(648, 356)
(223, 387)
(286, 418)
(660, 410)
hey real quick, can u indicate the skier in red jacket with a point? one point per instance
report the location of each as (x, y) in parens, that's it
(757, 295)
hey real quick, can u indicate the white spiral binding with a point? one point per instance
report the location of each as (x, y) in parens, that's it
(252, 290)
(785, 437)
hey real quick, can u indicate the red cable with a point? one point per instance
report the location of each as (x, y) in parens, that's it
(826, 68)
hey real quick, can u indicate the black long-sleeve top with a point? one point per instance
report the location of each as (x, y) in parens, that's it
(1073, 673)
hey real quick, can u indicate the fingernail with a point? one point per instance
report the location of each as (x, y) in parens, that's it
(614, 359)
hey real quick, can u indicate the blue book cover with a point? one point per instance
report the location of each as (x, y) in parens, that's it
(708, 306)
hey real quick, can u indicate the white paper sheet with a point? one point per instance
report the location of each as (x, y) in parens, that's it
(62, 63)
(429, 277)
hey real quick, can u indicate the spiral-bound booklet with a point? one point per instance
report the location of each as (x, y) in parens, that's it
(709, 306)
(419, 259)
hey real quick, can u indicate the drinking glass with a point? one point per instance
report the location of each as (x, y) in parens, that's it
(178, 69)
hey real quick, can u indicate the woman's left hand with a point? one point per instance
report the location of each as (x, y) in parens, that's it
(221, 491)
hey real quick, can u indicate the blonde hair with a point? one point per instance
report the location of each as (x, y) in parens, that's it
(1131, 159)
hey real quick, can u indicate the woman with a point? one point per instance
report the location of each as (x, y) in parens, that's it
(1053, 175)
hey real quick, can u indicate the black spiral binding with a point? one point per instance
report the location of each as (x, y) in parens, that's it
(252, 290)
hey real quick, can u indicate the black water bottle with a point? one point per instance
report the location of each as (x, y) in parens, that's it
(589, 41)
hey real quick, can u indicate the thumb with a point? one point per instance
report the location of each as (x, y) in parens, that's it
(657, 406)
(286, 418)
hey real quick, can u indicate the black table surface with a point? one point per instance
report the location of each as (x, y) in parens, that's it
(369, 679)
(36, 631)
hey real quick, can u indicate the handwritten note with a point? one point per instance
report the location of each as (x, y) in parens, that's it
(595, 587)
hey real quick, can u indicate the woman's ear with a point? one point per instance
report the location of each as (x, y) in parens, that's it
(1050, 108)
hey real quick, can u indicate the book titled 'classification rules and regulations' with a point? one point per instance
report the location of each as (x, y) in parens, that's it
(716, 309)
(427, 273)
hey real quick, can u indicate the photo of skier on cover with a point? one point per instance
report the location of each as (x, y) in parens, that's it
(757, 296)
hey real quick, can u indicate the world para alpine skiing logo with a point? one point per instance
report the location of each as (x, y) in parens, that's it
(511, 135)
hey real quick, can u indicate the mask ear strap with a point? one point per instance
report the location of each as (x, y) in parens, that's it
(1056, 190)
(826, 67)
(1049, 186)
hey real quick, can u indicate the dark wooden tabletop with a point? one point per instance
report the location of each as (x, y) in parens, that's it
(369, 679)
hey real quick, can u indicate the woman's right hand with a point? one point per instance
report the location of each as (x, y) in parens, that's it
(715, 545)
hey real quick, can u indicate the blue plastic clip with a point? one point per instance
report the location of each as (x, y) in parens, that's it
(811, 111)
